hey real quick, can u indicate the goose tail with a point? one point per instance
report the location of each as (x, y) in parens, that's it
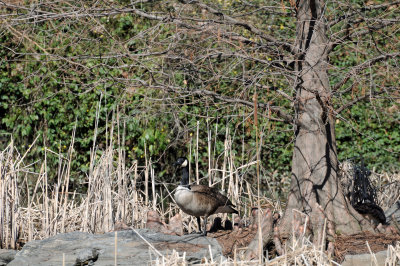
(226, 209)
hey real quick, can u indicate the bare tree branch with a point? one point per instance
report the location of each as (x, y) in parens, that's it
(357, 69)
(355, 101)
(360, 10)
(206, 93)
(232, 21)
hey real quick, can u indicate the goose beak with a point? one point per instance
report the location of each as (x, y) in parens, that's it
(176, 166)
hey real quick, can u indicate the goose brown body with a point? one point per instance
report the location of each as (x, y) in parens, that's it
(199, 200)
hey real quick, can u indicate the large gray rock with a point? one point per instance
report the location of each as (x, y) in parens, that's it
(6, 255)
(365, 259)
(78, 248)
(393, 212)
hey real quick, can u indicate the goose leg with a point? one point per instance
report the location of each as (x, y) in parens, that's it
(204, 233)
(199, 223)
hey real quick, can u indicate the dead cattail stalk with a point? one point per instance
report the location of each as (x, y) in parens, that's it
(70, 151)
(197, 152)
(260, 247)
(153, 186)
(225, 158)
(146, 176)
(210, 181)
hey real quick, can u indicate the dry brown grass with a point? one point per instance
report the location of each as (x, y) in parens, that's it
(30, 211)
(43, 209)
(33, 208)
(387, 184)
(300, 252)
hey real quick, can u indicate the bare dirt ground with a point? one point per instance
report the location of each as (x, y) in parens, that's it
(352, 244)
(240, 238)
(357, 244)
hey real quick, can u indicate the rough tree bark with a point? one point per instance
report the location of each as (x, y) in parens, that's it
(314, 187)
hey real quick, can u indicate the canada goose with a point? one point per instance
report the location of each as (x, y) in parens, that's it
(199, 200)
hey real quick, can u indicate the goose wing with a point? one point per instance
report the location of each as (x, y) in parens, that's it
(212, 193)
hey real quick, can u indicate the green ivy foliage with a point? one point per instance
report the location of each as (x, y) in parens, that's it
(41, 95)
(372, 133)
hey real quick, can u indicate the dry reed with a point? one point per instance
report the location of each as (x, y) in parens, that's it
(40, 209)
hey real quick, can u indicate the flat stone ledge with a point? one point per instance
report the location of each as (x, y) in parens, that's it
(365, 259)
(6, 255)
(137, 247)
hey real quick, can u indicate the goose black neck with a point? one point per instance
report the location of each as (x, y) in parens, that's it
(185, 176)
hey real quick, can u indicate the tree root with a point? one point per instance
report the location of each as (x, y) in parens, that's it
(322, 230)
(277, 242)
(253, 249)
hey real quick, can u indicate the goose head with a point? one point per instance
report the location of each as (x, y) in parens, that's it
(181, 162)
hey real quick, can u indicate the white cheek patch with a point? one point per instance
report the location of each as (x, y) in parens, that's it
(184, 164)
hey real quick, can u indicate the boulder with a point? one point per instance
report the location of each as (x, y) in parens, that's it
(137, 247)
(6, 255)
(393, 212)
(365, 259)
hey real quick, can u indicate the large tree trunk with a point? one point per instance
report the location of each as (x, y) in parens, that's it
(315, 188)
